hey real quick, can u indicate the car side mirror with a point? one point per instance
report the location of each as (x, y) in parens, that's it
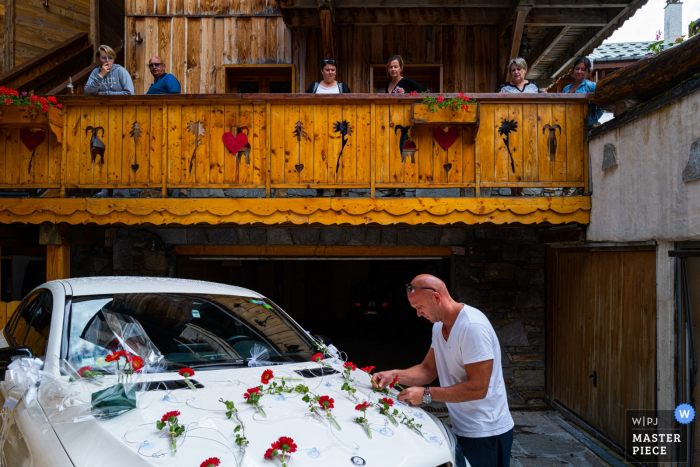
(8, 353)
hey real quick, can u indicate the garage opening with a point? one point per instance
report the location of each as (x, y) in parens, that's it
(359, 303)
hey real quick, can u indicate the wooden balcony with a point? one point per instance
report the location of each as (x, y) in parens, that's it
(299, 141)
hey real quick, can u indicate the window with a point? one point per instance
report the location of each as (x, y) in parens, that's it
(255, 79)
(429, 75)
(188, 330)
(33, 322)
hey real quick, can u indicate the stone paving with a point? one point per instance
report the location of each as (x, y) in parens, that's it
(539, 442)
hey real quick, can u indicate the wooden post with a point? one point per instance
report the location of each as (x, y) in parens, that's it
(95, 25)
(164, 151)
(517, 35)
(57, 262)
(329, 33)
(8, 48)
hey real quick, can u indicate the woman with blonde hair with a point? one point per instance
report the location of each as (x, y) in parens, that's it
(109, 78)
(518, 83)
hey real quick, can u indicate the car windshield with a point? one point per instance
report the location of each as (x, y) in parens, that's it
(189, 330)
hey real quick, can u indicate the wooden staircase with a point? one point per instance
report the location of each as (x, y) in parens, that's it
(48, 70)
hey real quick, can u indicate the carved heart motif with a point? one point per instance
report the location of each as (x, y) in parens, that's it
(446, 138)
(234, 143)
(32, 140)
(299, 167)
(447, 167)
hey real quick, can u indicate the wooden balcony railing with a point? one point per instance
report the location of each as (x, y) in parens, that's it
(296, 141)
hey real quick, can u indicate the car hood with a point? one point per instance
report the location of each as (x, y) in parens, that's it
(132, 439)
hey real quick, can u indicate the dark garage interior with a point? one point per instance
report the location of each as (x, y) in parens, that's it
(359, 304)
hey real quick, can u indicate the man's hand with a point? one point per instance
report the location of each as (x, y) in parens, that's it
(384, 378)
(412, 396)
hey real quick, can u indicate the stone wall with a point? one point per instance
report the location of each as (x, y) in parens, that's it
(499, 271)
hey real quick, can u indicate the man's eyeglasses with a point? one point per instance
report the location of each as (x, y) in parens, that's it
(329, 61)
(412, 288)
(154, 65)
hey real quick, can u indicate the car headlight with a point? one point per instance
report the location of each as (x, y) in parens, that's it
(458, 459)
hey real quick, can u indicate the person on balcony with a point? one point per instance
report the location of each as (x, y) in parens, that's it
(163, 83)
(328, 85)
(400, 84)
(582, 67)
(109, 79)
(518, 83)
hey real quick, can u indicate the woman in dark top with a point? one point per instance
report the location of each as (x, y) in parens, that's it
(328, 85)
(400, 84)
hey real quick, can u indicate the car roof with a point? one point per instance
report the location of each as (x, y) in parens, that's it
(126, 284)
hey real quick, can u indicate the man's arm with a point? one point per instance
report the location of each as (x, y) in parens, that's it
(475, 388)
(172, 85)
(423, 373)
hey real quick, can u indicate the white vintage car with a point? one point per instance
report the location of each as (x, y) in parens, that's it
(56, 414)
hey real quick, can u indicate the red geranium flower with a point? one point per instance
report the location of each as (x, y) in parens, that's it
(325, 402)
(413, 93)
(440, 98)
(368, 369)
(186, 372)
(8, 101)
(165, 417)
(45, 108)
(393, 383)
(59, 106)
(51, 99)
(388, 401)
(33, 99)
(266, 376)
(250, 391)
(317, 357)
(136, 362)
(287, 444)
(211, 462)
(350, 365)
(364, 406)
(84, 369)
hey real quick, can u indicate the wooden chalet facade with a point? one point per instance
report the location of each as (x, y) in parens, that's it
(243, 66)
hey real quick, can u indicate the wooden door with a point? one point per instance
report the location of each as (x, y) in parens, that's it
(601, 316)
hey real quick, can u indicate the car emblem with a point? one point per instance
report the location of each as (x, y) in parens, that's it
(371, 304)
(357, 460)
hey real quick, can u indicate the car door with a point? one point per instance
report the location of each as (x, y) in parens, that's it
(29, 326)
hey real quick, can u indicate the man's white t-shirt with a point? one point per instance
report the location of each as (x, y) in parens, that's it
(472, 339)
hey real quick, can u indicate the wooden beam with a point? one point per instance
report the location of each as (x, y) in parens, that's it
(515, 7)
(95, 25)
(591, 39)
(57, 262)
(74, 62)
(546, 45)
(648, 78)
(517, 35)
(544, 17)
(468, 4)
(328, 31)
(8, 48)
(334, 251)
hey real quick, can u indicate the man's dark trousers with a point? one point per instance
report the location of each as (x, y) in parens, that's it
(492, 451)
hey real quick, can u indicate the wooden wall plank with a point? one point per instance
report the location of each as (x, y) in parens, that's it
(439, 161)
(348, 162)
(454, 157)
(143, 116)
(208, 67)
(113, 150)
(230, 43)
(189, 114)
(155, 149)
(278, 155)
(396, 168)
(203, 115)
(101, 170)
(258, 40)
(217, 74)
(382, 139)
(194, 55)
(544, 163)
(128, 146)
(216, 149)
(468, 151)
(25, 175)
(411, 169)
(306, 145)
(575, 124)
(485, 139)
(335, 115)
(39, 166)
(87, 119)
(530, 142)
(560, 168)
(259, 162)
(230, 124)
(423, 137)
(291, 144)
(54, 163)
(501, 157)
(321, 143)
(516, 143)
(174, 156)
(72, 146)
(165, 42)
(179, 50)
(244, 29)
(139, 63)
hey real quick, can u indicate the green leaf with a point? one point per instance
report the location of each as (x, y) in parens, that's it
(237, 429)
(160, 425)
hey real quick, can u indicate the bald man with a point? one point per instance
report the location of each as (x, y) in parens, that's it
(465, 354)
(163, 83)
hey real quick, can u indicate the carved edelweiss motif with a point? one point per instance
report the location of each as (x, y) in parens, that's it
(198, 129)
(0, 113)
(345, 130)
(33, 113)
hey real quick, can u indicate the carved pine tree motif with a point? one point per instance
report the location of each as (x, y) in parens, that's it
(299, 132)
